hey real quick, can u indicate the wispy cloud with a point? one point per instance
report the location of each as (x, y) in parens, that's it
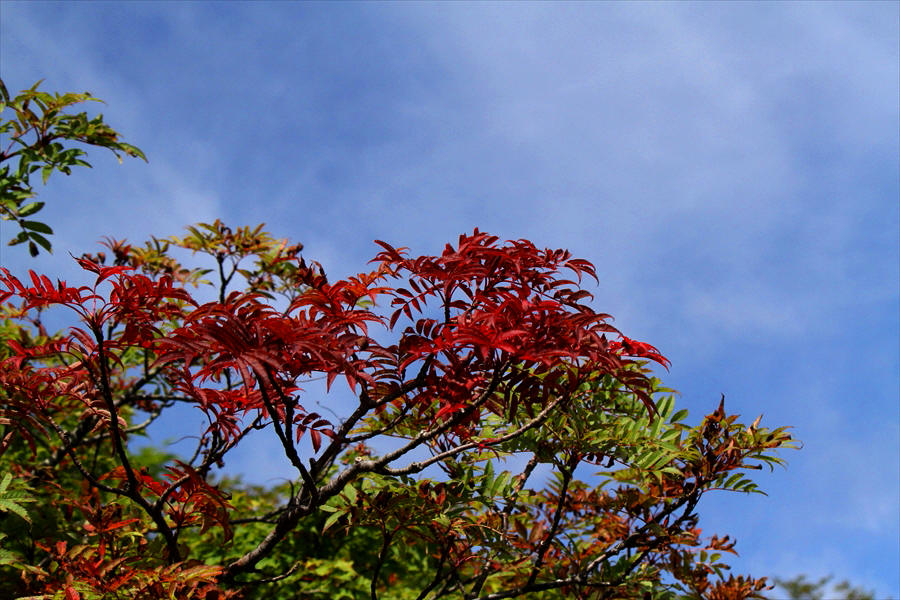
(129, 200)
(732, 168)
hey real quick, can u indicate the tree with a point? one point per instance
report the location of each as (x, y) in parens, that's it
(504, 439)
(799, 588)
(40, 136)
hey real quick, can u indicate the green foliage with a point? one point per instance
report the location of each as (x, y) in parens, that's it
(37, 132)
(12, 497)
(800, 588)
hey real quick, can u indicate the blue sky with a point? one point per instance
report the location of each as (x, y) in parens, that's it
(731, 168)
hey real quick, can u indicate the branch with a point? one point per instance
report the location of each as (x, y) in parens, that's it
(286, 522)
(402, 414)
(382, 555)
(690, 501)
(425, 436)
(438, 575)
(504, 518)
(294, 511)
(365, 405)
(274, 579)
(68, 448)
(423, 464)
(557, 517)
(309, 484)
(86, 425)
(133, 488)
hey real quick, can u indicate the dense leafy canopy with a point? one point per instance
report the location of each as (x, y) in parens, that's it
(503, 440)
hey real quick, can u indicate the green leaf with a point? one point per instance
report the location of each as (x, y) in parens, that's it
(9, 499)
(497, 484)
(44, 242)
(331, 520)
(37, 226)
(30, 209)
(132, 150)
(648, 461)
(665, 407)
(21, 237)
(7, 506)
(350, 491)
(488, 478)
(732, 480)
(679, 416)
(8, 205)
(670, 437)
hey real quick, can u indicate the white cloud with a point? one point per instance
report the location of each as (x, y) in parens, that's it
(133, 200)
(634, 135)
(730, 168)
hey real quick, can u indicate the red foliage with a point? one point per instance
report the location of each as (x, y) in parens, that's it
(485, 328)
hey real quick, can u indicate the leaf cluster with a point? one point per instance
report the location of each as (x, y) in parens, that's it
(484, 357)
(37, 133)
(504, 439)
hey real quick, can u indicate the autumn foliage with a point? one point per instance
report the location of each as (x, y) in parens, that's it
(459, 426)
(486, 387)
